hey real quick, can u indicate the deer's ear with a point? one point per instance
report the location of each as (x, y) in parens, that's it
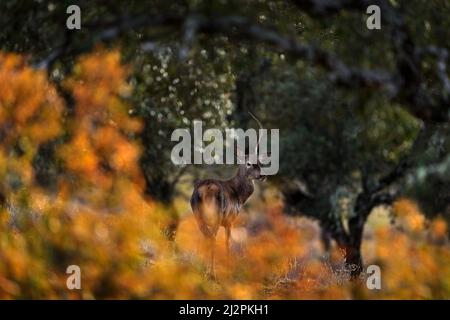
(240, 156)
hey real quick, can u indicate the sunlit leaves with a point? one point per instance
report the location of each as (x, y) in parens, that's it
(97, 216)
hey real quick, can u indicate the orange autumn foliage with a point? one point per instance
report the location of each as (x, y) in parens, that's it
(30, 112)
(101, 125)
(98, 218)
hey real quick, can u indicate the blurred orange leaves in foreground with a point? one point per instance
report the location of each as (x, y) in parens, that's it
(98, 218)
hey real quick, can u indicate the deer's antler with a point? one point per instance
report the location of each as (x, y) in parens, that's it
(260, 126)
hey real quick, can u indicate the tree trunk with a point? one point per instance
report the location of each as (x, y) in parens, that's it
(353, 260)
(353, 256)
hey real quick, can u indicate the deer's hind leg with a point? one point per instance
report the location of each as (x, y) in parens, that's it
(212, 262)
(206, 209)
(227, 239)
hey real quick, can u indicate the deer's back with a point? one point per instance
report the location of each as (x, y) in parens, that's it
(216, 196)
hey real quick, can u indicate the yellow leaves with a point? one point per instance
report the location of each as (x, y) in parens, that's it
(438, 229)
(29, 106)
(284, 261)
(409, 215)
(122, 154)
(413, 262)
(170, 278)
(408, 268)
(8, 288)
(30, 114)
(98, 83)
(100, 148)
(102, 69)
(99, 219)
(242, 292)
(79, 156)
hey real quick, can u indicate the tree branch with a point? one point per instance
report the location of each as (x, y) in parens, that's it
(406, 85)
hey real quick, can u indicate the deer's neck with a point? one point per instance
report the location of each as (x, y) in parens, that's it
(242, 187)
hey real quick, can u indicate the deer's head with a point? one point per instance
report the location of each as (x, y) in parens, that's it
(249, 168)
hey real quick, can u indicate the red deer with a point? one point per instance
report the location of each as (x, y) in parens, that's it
(217, 203)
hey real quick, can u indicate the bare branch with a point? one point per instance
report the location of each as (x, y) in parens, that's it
(405, 85)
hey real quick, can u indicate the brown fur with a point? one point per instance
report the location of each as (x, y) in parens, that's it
(217, 203)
